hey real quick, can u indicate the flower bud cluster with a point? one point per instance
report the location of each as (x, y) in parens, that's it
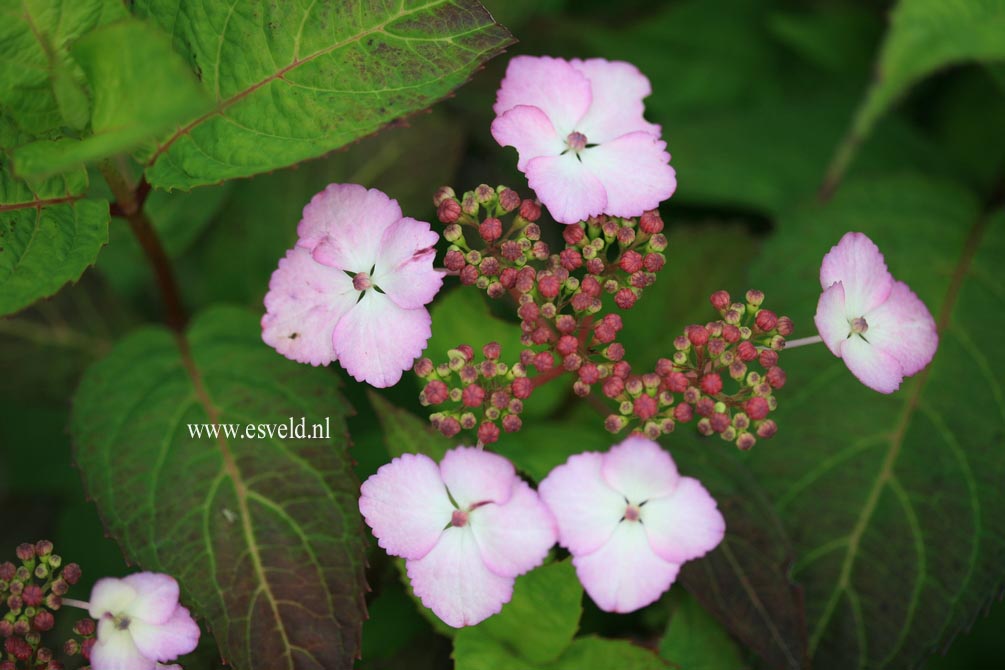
(484, 395)
(31, 591)
(722, 374)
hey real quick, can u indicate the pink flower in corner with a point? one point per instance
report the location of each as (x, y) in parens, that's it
(355, 286)
(630, 520)
(140, 623)
(877, 325)
(582, 140)
(467, 528)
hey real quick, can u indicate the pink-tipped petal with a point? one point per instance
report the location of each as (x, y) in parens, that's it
(831, 318)
(111, 596)
(476, 476)
(685, 524)
(115, 650)
(640, 470)
(618, 90)
(404, 269)
(353, 219)
(454, 582)
(635, 171)
(625, 574)
(874, 367)
(514, 538)
(377, 340)
(529, 131)
(566, 187)
(156, 597)
(904, 328)
(550, 84)
(585, 507)
(857, 263)
(305, 302)
(176, 637)
(405, 503)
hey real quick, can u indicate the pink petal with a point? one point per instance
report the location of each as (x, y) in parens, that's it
(566, 187)
(831, 318)
(515, 537)
(111, 596)
(404, 268)
(353, 218)
(685, 524)
(585, 507)
(904, 328)
(873, 366)
(618, 90)
(625, 574)
(454, 582)
(406, 505)
(166, 642)
(635, 171)
(115, 650)
(377, 340)
(530, 132)
(857, 263)
(475, 476)
(156, 597)
(304, 303)
(640, 470)
(550, 84)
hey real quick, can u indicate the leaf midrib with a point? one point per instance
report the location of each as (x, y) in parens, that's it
(897, 439)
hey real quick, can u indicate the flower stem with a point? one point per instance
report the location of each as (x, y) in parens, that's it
(802, 342)
(80, 604)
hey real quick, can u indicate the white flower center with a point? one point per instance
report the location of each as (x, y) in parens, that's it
(459, 519)
(361, 281)
(859, 326)
(632, 513)
(576, 141)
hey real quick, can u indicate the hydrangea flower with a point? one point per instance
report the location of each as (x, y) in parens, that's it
(355, 286)
(877, 325)
(467, 528)
(630, 520)
(140, 623)
(582, 140)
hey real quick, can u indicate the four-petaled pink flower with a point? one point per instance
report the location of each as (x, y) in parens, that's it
(630, 521)
(467, 528)
(355, 286)
(877, 325)
(140, 623)
(582, 140)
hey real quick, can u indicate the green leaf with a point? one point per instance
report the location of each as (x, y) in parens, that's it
(263, 533)
(49, 234)
(405, 433)
(893, 503)
(535, 627)
(693, 640)
(40, 85)
(292, 82)
(541, 446)
(141, 89)
(597, 653)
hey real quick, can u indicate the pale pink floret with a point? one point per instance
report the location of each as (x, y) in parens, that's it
(140, 623)
(467, 528)
(355, 286)
(876, 324)
(581, 137)
(630, 520)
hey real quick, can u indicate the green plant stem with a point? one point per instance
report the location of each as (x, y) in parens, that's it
(128, 202)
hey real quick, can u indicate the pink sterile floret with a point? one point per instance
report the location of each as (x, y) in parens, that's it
(581, 137)
(877, 325)
(630, 520)
(467, 528)
(355, 286)
(140, 623)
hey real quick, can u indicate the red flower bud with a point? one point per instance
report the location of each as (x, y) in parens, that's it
(509, 200)
(730, 333)
(613, 386)
(621, 369)
(625, 298)
(589, 373)
(720, 300)
(43, 621)
(631, 261)
(768, 358)
(590, 286)
(677, 382)
(544, 361)
(757, 408)
(653, 262)
(785, 326)
(454, 260)
(488, 432)
(746, 351)
(650, 222)
(776, 377)
(530, 210)
(436, 392)
(697, 335)
(645, 407)
(548, 285)
(33, 595)
(711, 384)
(766, 320)
(490, 229)
(469, 275)
(767, 429)
(683, 412)
(448, 211)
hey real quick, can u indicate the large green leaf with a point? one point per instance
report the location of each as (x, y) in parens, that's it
(694, 640)
(49, 234)
(405, 433)
(141, 89)
(293, 81)
(597, 653)
(893, 502)
(263, 533)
